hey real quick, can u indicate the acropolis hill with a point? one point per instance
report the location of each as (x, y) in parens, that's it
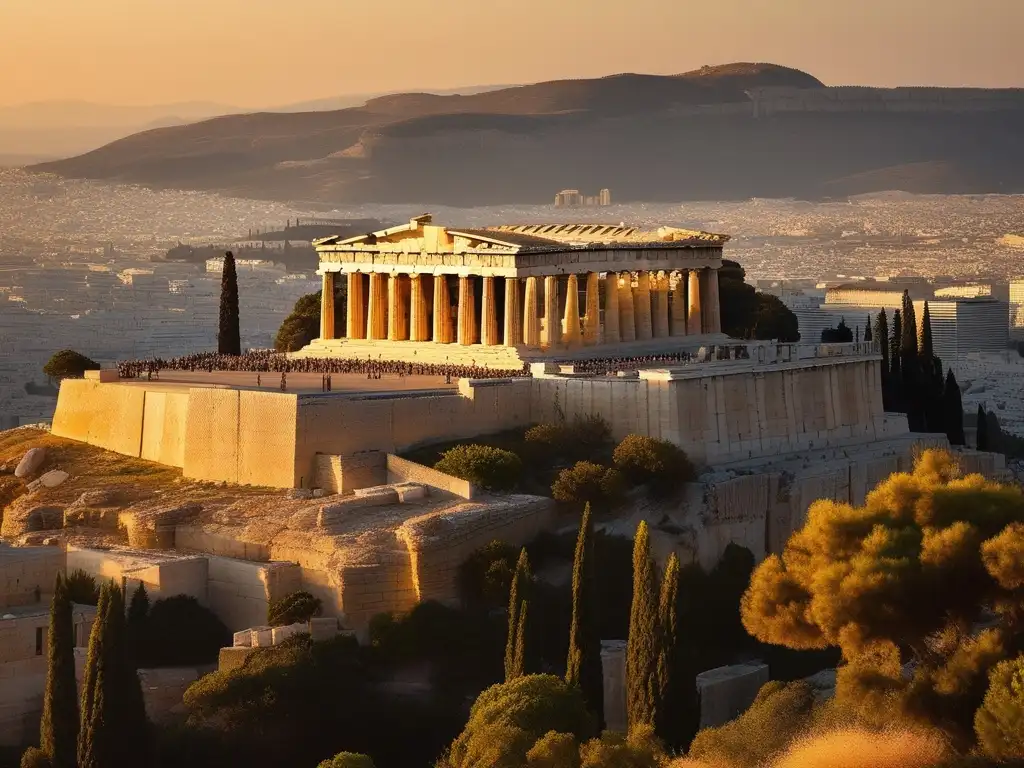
(240, 492)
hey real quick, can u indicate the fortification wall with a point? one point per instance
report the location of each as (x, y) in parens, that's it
(165, 415)
(106, 415)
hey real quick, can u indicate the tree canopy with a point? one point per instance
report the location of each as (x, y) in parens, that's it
(907, 578)
(749, 314)
(69, 364)
(303, 324)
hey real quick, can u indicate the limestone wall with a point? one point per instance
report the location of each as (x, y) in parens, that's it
(404, 471)
(163, 427)
(389, 423)
(241, 436)
(742, 413)
(239, 592)
(106, 415)
(344, 474)
(440, 542)
(27, 574)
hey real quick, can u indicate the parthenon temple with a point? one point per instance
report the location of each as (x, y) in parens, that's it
(513, 293)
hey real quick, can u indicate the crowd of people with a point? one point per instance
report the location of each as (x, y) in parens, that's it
(607, 365)
(269, 361)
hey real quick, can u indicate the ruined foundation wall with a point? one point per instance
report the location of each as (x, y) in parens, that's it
(106, 415)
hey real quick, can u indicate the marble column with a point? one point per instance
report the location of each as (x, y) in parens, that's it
(356, 321)
(714, 320)
(420, 324)
(627, 320)
(642, 306)
(377, 325)
(661, 329)
(531, 324)
(398, 316)
(467, 312)
(489, 322)
(552, 321)
(513, 313)
(327, 306)
(571, 332)
(693, 317)
(678, 319)
(592, 318)
(442, 311)
(610, 333)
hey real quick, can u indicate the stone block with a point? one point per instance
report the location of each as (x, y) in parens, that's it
(411, 492)
(726, 692)
(613, 668)
(280, 634)
(242, 639)
(262, 637)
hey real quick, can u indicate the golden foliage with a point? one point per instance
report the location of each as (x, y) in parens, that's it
(860, 748)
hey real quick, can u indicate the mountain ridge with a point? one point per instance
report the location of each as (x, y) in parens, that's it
(710, 133)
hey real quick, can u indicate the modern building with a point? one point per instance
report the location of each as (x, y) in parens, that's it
(573, 198)
(964, 326)
(502, 296)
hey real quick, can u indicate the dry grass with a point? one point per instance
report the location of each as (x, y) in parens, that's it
(851, 748)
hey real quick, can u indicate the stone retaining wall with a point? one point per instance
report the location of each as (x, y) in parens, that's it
(27, 574)
(404, 471)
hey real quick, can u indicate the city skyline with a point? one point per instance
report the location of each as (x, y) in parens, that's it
(257, 53)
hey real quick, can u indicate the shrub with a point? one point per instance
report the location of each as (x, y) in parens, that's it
(583, 439)
(509, 718)
(35, 758)
(660, 464)
(999, 723)
(181, 632)
(491, 468)
(82, 588)
(485, 577)
(588, 483)
(347, 760)
(296, 608)
(68, 364)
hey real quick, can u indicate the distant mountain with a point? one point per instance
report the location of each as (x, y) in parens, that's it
(733, 131)
(357, 100)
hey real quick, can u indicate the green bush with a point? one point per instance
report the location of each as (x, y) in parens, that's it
(509, 718)
(491, 468)
(347, 760)
(296, 608)
(588, 483)
(485, 577)
(659, 464)
(180, 632)
(583, 439)
(999, 723)
(68, 364)
(82, 588)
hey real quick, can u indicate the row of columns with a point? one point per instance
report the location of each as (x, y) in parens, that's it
(398, 309)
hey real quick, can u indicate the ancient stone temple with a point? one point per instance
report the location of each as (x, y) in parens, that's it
(504, 295)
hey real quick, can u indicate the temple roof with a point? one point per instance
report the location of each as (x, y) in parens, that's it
(525, 238)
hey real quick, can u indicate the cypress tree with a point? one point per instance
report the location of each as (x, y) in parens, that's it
(58, 729)
(908, 339)
(229, 340)
(981, 439)
(868, 336)
(642, 643)
(894, 344)
(519, 656)
(670, 718)
(114, 730)
(517, 594)
(583, 667)
(138, 618)
(925, 345)
(953, 409)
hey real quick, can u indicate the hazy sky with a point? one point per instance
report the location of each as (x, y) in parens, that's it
(271, 52)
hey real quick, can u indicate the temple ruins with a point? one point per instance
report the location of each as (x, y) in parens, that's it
(508, 294)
